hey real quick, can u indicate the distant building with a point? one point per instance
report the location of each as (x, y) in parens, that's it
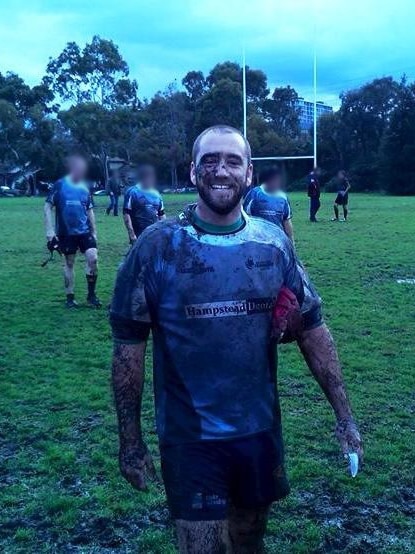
(307, 112)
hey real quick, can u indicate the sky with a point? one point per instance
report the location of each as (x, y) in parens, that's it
(161, 40)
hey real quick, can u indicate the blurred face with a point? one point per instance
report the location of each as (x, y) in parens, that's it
(221, 171)
(341, 175)
(148, 179)
(274, 184)
(78, 168)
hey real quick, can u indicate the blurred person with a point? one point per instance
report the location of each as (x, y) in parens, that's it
(313, 192)
(342, 198)
(114, 192)
(269, 200)
(218, 289)
(143, 204)
(74, 227)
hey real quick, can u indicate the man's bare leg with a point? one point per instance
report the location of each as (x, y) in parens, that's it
(91, 272)
(69, 273)
(247, 529)
(203, 537)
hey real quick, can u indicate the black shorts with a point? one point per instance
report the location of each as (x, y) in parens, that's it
(341, 199)
(202, 479)
(72, 243)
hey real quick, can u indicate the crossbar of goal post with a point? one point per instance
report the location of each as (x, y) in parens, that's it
(244, 100)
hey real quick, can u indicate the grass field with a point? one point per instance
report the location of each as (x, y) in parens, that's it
(59, 482)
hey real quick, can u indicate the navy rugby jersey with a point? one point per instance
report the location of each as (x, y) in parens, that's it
(144, 207)
(208, 299)
(72, 202)
(273, 207)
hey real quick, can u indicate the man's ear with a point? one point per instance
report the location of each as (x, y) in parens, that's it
(193, 173)
(249, 174)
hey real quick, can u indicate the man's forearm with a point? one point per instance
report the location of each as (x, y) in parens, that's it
(319, 351)
(49, 226)
(288, 228)
(127, 382)
(91, 217)
(129, 225)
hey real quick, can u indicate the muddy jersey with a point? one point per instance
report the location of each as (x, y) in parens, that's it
(208, 299)
(144, 207)
(71, 202)
(273, 207)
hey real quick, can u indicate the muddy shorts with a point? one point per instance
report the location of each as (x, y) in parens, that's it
(72, 243)
(202, 479)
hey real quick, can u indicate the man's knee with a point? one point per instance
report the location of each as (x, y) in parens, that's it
(70, 262)
(209, 537)
(91, 257)
(247, 529)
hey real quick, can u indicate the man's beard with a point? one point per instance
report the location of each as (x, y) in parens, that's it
(231, 197)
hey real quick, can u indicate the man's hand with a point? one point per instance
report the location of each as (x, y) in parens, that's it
(136, 465)
(348, 436)
(133, 238)
(287, 321)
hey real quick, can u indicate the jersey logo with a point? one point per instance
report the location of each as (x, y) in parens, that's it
(229, 308)
(258, 264)
(195, 267)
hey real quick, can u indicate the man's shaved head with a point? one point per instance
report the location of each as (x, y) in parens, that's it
(220, 129)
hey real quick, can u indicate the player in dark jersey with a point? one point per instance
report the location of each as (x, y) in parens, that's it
(206, 284)
(143, 204)
(313, 192)
(269, 201)
(114, 192)
(74, 227)
(342, 197)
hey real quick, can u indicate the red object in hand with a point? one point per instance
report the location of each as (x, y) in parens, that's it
(287, 321)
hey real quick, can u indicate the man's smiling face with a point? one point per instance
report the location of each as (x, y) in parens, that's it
(221, 170)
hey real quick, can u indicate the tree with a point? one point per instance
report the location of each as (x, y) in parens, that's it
(222, 104)
(397, 156)
(96, 74)
(282, 112)
(195, 84)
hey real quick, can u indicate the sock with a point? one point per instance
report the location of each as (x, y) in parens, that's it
(92, 281)
(70, 296)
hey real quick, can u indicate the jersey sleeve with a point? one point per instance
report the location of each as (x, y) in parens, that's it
(127, 202)
(130, 317)
(287, 210)
(311, 308)
(292, 277)
(248, 202)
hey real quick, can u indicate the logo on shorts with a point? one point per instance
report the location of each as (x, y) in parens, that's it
(229, 308)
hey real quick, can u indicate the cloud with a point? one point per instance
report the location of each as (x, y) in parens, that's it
(161, 40)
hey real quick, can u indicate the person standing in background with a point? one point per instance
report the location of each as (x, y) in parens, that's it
(342, 198)
(114, 192)
(313, 193)
(143, 204)
(269, 201)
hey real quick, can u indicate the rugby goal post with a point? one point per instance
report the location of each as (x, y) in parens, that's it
(244, 100)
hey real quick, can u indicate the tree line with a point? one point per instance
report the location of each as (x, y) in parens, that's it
(87, 101)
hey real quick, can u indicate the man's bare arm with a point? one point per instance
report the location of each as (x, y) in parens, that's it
(49, 224)
(92, 223)
(289, 230)
(319, 351)
(128, 382)
(129, 226)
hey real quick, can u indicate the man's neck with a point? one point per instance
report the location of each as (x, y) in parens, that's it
(209, 216)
